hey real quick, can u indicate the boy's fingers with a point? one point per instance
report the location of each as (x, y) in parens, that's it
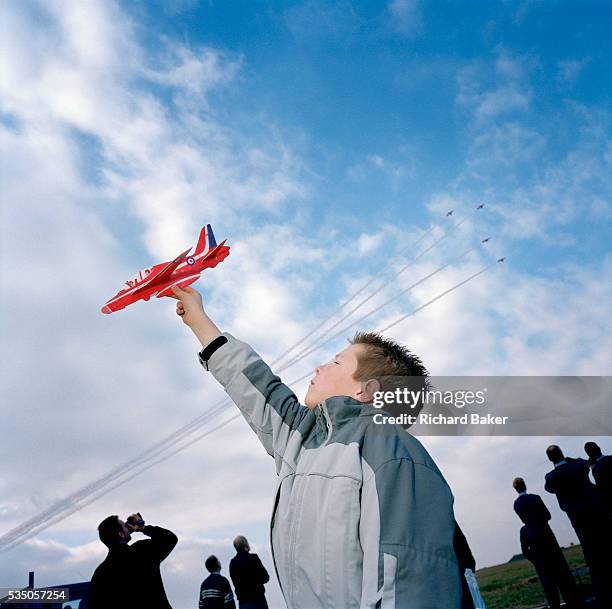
(178, 292)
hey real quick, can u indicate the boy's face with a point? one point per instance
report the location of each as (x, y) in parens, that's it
(335, 377)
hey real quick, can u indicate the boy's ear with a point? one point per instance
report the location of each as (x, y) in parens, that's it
(368, 389)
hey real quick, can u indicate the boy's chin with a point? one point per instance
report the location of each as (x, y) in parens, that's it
(310, 401)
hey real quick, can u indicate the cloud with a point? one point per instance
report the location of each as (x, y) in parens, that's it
(367, 243)
(314, 19)
(568, 71)
(489, 89)
(506, 144)
(405, 15)
(394, 170)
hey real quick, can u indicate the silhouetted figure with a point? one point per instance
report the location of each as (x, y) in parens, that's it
(215, 591)
(129, 576)
(577, 497)
(540, 546)
(601, 468)
(465, 558)
(248, 576)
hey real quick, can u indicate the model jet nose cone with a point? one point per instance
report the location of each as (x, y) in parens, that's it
(106, 309)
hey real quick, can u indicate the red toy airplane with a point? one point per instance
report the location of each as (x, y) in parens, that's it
(182, 271)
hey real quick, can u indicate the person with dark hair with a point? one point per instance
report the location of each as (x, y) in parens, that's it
(215, 591)
(362, 515)
(130, 576)
(540, 546)
(577, 497)
(601, 468)
(248, 576)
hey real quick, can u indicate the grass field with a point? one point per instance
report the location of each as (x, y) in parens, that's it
(515, 585)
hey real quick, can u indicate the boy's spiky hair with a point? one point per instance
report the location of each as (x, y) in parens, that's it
(384, 357)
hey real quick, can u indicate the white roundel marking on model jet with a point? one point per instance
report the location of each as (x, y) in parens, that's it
(190, 260)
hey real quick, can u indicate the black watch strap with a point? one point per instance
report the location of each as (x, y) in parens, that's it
(212, 346)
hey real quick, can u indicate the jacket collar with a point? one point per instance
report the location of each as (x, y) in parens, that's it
(334, 412)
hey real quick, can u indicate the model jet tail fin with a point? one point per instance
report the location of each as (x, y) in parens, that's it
(206, 241)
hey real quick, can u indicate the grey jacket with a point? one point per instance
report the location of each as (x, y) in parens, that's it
(362, 516)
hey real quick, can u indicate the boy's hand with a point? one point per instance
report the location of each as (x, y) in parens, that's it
(189, 306)
(190, 309)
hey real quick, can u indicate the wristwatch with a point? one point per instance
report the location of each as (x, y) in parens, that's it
(210, 348)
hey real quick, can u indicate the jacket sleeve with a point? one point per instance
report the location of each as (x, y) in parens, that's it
(526, 547)
(262, 575)
(549, 483)
(228, 595)
(160, 544)
(406, 531)
(269, 407)
(201, 602)
(543, 509)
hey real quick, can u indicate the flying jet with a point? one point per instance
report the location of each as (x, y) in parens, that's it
(450, 213)
(486, 240)
(159, 280)
(501, 260)
(480, 206)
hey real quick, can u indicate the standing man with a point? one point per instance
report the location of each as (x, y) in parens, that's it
(577, 497)
(540, 546)
(215, 591)
(129, 576)
(248, 576)
(601, 468)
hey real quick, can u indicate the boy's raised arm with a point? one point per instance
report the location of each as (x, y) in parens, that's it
(270, 407)
(190, 308)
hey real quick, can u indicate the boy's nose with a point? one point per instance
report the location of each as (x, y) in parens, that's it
(318, 370)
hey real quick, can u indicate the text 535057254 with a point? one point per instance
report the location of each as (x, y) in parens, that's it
(33, 595)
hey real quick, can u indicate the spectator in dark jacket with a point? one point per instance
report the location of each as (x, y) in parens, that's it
(129, 576)
(578, 498)
(248, 576)
(215, 591)
(540, 546)
(601, 468)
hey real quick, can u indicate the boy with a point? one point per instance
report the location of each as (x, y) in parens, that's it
(215, 591)
(362, 516)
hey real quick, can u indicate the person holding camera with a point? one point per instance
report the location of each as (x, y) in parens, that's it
(130, 574)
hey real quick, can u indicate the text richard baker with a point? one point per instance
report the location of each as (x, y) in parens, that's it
(425, 418)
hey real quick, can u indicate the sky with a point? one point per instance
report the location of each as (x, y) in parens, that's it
(323, 140)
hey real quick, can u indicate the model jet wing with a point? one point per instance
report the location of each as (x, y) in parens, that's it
(165, 272)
